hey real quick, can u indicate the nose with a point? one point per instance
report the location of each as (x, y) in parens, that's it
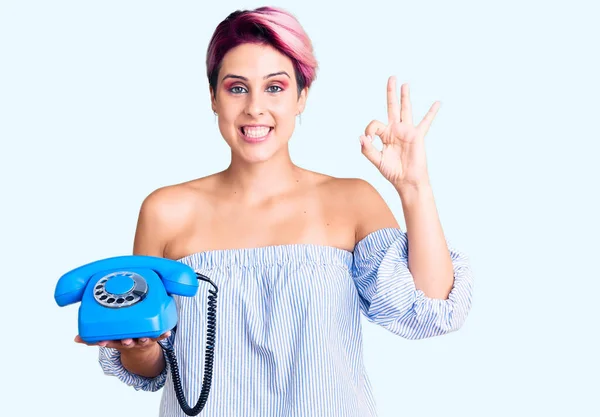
(254, 105)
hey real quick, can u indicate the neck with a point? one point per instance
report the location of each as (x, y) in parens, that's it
(261, 180)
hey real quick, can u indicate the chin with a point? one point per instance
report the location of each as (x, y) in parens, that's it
(255, 158)
(257, 154)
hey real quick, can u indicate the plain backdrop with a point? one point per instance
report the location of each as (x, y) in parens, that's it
(102, 102)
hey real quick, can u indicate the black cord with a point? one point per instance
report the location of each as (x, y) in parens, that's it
(208, 358)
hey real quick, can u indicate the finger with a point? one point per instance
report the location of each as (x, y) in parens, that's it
(370, 151)
(392, 101)
(144, 341)
(428, 119)
(127, 343)
(406, 113)
(375, 128)
(116, 344)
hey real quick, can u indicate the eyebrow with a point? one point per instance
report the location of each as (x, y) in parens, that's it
(264, 78)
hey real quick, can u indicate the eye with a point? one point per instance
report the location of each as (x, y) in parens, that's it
(237, 89)
(270, 89)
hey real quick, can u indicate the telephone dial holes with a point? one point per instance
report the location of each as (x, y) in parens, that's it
(120, 289)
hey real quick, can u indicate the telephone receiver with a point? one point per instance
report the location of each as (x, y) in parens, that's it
(127, 297)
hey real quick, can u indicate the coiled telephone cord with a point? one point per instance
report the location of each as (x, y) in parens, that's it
(208, 358)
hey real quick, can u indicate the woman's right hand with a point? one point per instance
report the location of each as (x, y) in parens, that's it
(126, 344)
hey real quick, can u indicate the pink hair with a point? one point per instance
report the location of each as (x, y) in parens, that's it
(264, 25)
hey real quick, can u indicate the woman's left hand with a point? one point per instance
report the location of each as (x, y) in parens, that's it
(402, 160)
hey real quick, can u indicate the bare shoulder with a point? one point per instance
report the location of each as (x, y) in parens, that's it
(165, 212)
(368, 208)
(168, 204)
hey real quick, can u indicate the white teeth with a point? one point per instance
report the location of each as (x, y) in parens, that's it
(255, 132)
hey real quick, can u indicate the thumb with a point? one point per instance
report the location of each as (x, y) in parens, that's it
(369, 150)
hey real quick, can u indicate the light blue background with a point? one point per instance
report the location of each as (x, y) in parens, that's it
(102, 102)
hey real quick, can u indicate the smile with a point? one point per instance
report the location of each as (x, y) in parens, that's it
(255, 134)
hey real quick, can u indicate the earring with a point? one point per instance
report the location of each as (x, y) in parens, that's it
(299, 118)
(215, 116)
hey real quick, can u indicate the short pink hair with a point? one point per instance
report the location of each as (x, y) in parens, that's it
(264, 25)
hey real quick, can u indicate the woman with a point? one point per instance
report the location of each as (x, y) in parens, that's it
(297, 255)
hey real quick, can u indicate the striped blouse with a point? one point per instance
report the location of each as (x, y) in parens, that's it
(289, 339)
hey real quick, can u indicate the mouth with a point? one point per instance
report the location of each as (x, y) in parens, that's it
(255, 133)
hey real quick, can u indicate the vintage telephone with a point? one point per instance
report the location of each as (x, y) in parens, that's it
(130, 297)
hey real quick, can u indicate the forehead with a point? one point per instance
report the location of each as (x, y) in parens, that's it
(255, 61)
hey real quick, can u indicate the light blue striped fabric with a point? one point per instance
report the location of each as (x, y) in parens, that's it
(289, 339)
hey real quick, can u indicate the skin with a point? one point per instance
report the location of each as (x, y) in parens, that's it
(262, 198)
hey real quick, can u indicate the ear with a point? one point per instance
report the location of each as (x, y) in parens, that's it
(213, 99)
(302, 100)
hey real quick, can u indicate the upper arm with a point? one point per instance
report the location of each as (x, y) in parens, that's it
(371, 211)
(157, 222)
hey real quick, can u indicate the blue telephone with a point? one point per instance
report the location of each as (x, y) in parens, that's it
(130, 297)
(126, 296)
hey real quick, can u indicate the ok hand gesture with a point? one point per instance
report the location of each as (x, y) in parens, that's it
(402, 160)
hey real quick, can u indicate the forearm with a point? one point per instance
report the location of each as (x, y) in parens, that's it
(147, 363)
(428, 256)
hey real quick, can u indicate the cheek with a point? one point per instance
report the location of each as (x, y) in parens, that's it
(228, 114)
(285, 113)
(226, 122)
(285, 123)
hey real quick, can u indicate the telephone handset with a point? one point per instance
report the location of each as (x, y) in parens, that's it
(130, 297)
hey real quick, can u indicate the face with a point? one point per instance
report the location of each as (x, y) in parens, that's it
(256, 100)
